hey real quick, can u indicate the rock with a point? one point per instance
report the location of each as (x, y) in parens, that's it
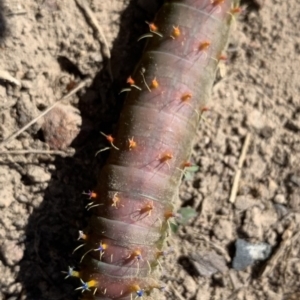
(30, 74)
(9, 178)
(223, 230)
(295, 200)
(208, 263)
(61, 126)
(190, 285)
(246, 254)
(27, 111)
(257, 220)
(11, 251)
(295, 179)
(37, 174)
(281, 210)
(245, 202)
(280, 199)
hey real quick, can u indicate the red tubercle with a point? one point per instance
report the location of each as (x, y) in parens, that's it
(94, 196)
(110, 139)
(130, 81)
(186, 164)
(152, 27)
(236, 10)
(91, 194)
(204, 109)
(222, 57)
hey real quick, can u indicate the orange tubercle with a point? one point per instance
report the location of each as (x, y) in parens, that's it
(130, 80)
(204, 45)
(186, 97)
(132, 143)
(91, 194)
(176, 32)
(217, 2)
(223, 57)
(186, 164)
(153, 27)
(147, 209)
(169, 214)
(165, 157)
(136, 254)
(236, 10)
(154, 83)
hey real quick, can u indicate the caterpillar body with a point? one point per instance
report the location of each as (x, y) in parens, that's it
(134, 200)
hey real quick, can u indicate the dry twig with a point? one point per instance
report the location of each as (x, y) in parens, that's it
(288, 238)
(238, 173)
(34, 151)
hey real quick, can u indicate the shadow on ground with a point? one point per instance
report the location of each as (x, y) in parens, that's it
(53, 227)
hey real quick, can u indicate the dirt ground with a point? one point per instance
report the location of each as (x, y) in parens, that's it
(49, 46)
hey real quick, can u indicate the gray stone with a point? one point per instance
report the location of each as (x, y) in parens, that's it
(208, 263)
(246, 253)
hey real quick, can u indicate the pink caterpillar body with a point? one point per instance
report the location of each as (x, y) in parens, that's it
(135, 197)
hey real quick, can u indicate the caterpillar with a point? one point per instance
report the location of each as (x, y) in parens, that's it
(135, 198)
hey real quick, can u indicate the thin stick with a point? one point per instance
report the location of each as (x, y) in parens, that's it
(4, 75)
(178, 295)
(72, 92)
(238, 173)
(97, 28)
(287, 240)
(34, 151)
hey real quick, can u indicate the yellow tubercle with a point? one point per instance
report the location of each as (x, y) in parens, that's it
(92, 283)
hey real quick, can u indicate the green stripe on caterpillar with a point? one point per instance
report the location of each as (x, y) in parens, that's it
(135, 197)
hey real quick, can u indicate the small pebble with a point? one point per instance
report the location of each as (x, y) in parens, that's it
(61, 126)
(295, 180)
(280, 199)
(30, 74)
(37, 174)
(208, 263)
(11, 252)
